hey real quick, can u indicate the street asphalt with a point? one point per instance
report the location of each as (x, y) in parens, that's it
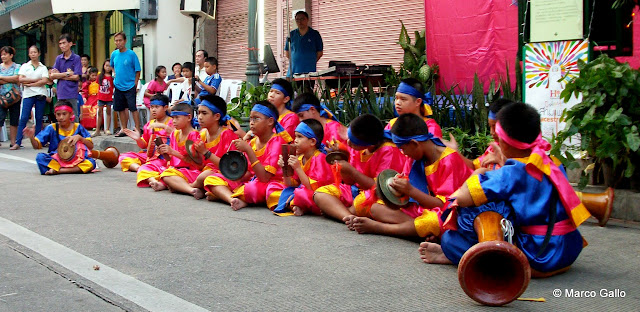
(157, 247)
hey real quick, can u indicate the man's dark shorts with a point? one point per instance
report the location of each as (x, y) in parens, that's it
(124, 99)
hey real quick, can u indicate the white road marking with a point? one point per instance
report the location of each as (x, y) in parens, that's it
(142, 294)
(7, 156)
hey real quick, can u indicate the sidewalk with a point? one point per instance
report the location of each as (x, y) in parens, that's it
(626, 205)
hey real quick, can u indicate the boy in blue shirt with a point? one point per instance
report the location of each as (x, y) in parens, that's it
(211, 84)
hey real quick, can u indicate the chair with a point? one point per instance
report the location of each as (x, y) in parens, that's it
(173, 91)
(142, 109)
(229, 89)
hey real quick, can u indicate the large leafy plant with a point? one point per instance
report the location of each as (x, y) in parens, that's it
(607, 119)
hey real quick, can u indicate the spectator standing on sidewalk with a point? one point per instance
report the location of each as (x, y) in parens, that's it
(33, 76)
(67, 70)
(9, 82)
(201, 72)
(126, 68)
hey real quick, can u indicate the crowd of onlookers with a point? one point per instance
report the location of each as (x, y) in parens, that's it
(101, 99)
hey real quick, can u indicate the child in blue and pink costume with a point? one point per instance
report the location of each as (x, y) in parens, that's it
(64, 129)
(531, 190)
(262, 153)
(311, 171)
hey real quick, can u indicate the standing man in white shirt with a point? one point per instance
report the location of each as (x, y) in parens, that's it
(200, 72)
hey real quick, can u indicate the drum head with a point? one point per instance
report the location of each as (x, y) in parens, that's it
(337, 155)
(385, 191)
(66, 151)
(233, 165)
(193, 155)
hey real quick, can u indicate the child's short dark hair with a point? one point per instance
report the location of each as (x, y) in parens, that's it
(301, 12)
(272, 108)
(188, 65)
(498, 104)
(219, 103)
(160, 97)
(211, 60)
(87, 56)
(285, 84)
(416, 84)
(520, 121)
(306, 98)
(409, 125)
(317, 129)
(92, 70)
(182, 107)
(368, 128)
(174, 65)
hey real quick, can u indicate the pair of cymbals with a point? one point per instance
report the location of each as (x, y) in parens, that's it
(386, 192)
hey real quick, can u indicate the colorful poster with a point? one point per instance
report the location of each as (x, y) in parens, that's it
(548, 66)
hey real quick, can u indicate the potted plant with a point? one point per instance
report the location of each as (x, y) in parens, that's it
(607, 120)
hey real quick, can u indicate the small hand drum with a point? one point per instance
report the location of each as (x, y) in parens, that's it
(66, 150)
(193, 155)
(233, 165)
(388, 194)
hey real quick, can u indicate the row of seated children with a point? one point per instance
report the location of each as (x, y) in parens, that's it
(434, 176)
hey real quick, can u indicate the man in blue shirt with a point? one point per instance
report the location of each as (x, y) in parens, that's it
(126, 68)
(304, 46)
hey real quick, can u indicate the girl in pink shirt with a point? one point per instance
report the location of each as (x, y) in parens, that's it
(157, 85)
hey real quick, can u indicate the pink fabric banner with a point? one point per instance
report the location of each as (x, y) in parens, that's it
(468, 37)
(634, 61)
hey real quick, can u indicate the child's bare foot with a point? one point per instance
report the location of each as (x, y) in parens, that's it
(348, 220)
(157, 186)
(210, 196)
(51, 172)
(297, 210)
(197, 193)
(432, 253)
(364, 225)
(237, 204)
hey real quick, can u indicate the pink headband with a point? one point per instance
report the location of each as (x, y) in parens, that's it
(65, 108)
(538, 142)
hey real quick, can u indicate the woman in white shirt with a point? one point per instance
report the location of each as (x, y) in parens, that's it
(33, 76)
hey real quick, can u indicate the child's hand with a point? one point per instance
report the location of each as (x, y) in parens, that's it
(132, 134)
(164, 149)
(74, 139)
(200, 147)
(29, 132)
(401, 184)
(494, 157)
(169, 130)
(241, 145)
(452, 143)
(248, 136)
(280, 161)
(293, 162)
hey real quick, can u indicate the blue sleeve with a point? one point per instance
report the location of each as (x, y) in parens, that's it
(215, 82)
(111, 59)
(287, 41)
(500, 184)
(136, 61)
(45, 135)
(77, 67)
(83, 132)
(319, 44)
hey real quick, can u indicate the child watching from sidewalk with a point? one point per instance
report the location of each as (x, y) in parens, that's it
(307, 106)
(215, 140)
(160, 126)
(262, 153)
(522, 191)
(371, 153)
(211, 84)
(311, 170)
(187, 74)
(105, 97)
(429, 178)
(411, 99)
(64, 129)
(90, 89)
(157, 85)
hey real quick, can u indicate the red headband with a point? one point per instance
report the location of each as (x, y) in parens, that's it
(65, 108)
(539, 141)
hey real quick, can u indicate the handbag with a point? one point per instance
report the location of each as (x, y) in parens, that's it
(10, 98)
